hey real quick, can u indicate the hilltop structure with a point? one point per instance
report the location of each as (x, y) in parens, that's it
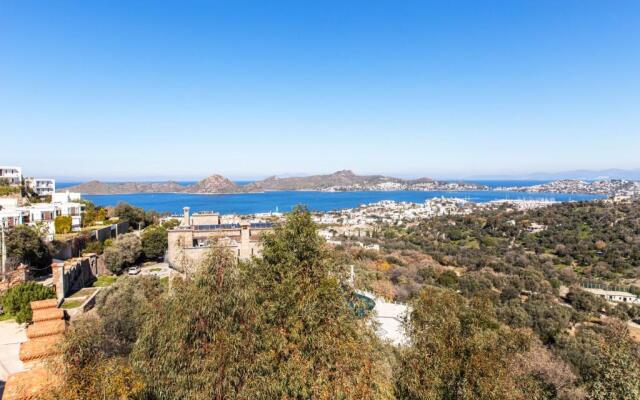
(189, 242)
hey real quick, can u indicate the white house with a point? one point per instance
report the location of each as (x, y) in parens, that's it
(43, 187)
(11, 174)
(42, 215)
(73, 210)
(614, 296)
(65, 197)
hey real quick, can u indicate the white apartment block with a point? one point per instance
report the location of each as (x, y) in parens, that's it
(43, 215)
(10, 174)
(41, 186)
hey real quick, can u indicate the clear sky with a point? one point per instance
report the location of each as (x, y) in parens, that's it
(184, 89)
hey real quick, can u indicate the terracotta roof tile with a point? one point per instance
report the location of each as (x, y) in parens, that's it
(41, 304)
(47, 314)
(46, 328)
(27, 385)
(38, 348)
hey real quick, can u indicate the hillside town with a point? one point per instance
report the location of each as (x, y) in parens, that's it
(620, 188)
(92, 250)
(35, 202)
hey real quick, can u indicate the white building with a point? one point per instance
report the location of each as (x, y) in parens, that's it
(73, 210)
(41, 186)
(11, 217)
(65, 197)
(43, 215)
(10, 174)
(614, 296)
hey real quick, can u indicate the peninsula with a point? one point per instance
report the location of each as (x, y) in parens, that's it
(338, 181)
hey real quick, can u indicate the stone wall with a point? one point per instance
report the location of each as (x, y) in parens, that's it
(15, 277)
(74, 274)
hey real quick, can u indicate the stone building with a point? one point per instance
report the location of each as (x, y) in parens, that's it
(197, 233)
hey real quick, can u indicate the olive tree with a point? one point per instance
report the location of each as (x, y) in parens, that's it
(123, 253)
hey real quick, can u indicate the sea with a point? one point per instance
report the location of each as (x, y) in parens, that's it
(282, 201)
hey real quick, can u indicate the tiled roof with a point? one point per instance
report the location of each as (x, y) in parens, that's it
(46, 328)
(44, 337)
(47, 314)
(39, 348)
(28, 385)
(40, 304)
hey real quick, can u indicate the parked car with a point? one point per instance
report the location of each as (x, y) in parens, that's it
(134, 270)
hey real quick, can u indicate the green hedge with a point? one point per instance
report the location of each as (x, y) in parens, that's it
(17, 300)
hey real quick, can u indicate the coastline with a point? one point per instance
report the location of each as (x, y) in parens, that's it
(270, 201)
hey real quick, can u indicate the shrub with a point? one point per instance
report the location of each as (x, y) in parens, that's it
(63, 224)
(94, 246)
(16, 301)
(154, 242)
(24, 245)
(585, 301)
(124, 252)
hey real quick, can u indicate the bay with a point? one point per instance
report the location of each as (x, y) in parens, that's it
(251, 203)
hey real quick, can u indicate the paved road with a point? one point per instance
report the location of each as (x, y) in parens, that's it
(161, 270)
(11, 335)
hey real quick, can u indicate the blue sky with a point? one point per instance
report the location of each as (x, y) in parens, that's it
(184, 89)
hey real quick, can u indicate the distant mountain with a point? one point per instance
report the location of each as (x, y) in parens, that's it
(97, 187)
(318, 182)
(582, 174)
(347, 180)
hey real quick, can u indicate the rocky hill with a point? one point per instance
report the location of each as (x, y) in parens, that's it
(97, 187)
(338, 181)
(212, 184)
(343, 178)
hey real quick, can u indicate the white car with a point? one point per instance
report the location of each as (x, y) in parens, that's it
(134, 270)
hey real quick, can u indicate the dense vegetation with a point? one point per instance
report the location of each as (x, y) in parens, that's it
(487, 319)
(25, 246)
(16, 300)
(280, 327)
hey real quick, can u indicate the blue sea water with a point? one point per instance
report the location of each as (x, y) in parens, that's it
(249, 203)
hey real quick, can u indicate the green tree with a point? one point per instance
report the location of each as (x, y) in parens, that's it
(63, 224)
(616, 374)
(202, 344)
(124, 252)
(154, 241)
(125, 306)
(460, 351)
(24, 245)
(585, 301)
(314, 345)
(276, 328)
(16, 301)
(127, 212)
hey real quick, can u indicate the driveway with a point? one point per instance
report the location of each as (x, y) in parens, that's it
(11, 335)
(160, 270)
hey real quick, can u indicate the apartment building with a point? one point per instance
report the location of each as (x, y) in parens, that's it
(197, 233)
(11, 175)
(42, 215)
(41, 186)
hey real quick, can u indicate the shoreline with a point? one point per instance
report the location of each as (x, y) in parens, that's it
(348, 191)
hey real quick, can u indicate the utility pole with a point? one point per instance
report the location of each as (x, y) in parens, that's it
(4, 250)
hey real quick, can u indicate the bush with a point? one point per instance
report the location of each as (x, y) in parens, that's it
(585, 301)
(63, 224)
(94, 246)
(154, 242)
(16, 301)
(24, 245)
(124, 252)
